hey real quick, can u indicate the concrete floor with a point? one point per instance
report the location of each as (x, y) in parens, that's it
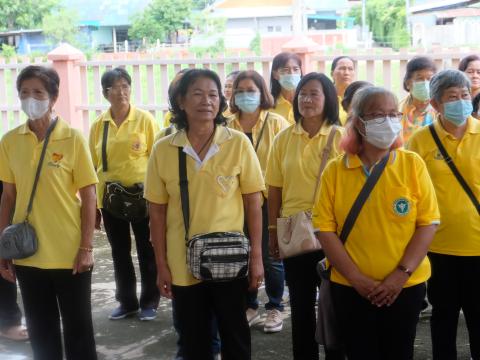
(131, 339)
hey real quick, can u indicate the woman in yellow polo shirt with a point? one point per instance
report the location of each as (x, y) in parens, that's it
(250, 106)
(228, 90)
(56, 280)
(224, 186)
(416, 108)
(130, 134)
(470, 65)
(343, 74)
(455, 250)
(284, 77)
(379, 273)
(292, 172)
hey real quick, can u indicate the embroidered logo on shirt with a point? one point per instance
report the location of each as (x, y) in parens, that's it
(438, 155)
(55, 160)
(401, 207)
(225, 182)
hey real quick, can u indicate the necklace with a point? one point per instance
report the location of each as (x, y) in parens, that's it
(206, 142)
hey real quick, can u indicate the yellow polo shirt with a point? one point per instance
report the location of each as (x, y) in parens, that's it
(284, 108)
(402, 200)
(342, 114)
(294, 163)
(215, 186)
(55, 215)
(275, 124)
(128, 148)
(167, 118)
(459, 231)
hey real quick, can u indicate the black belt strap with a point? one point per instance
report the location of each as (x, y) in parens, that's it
(454, 169)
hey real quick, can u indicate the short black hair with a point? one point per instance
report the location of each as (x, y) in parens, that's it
(350, 92)
(330, 108)
(279, 61)
(109, 77)
(476, 103)
(418, 63)
(233, 74)
(337, 59)
(462, 66)
(47, 75)
(179, 116)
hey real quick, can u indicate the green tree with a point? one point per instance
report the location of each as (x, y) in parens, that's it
(161, 20)
(386, 20)
(61, 26)
(256, 44)
(24, 14)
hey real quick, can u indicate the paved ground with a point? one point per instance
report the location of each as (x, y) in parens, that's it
(131, 339)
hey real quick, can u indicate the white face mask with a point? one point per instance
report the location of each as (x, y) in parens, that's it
(35, 109)
(381, 132)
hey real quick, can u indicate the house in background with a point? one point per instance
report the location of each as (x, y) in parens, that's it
(26, 41)
(445, 22)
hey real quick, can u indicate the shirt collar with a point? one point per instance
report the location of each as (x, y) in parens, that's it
(222, 134)
(130, 117)
(299, 130)
(62, 130)
(473, 127)
(353, 161)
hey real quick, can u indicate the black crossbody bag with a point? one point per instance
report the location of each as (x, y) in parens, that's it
(454, 169)
(327, 332)
(123, 202)
(218, 256)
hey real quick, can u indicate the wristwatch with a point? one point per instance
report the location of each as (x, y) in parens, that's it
(405, 270)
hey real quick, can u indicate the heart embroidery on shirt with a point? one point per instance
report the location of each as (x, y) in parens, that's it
(225, 182)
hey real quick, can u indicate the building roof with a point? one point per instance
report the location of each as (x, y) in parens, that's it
(233, 4)
(426, 6)
(456, 13)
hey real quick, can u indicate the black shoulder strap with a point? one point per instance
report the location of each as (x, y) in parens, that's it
(261, 131)
(39, 166)
(104, 146)
(182, 171)
(168, 131)
(454, 169)
(362, 197)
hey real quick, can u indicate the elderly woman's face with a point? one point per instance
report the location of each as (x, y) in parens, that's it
(311, 100)
(344, 72)
(119, 93)
(227, 91)
(419, 76)
(473, 73)
(454, 94)
(33, 88)
(202, 100)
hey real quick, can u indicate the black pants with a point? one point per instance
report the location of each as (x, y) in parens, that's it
(49, 294)
(118, 234)
(385, 333)
(10, 314)
(194, 306)
(303, 281)
(454, 286)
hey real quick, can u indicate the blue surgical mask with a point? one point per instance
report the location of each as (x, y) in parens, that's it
(457, 112)
(247, 102)
(289, 81)
(421, 90)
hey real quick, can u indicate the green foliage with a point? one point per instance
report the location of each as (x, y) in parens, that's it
(8, 51)
(61, 26)
(256, 44)
(386, 20)
(202, 4)
(24, 14)
(160, 20)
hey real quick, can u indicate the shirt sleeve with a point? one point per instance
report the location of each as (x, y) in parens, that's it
(83, 171)
(155, 187)
(323, 215)
(151, 130)
(274, 176)
(428, 212)
(251, 178)
(92, 141)
(6, 173)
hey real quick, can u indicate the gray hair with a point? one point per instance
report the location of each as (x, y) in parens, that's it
(446, 79)
(363, 96)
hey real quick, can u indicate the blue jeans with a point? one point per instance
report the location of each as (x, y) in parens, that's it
(216, 345)
(274, 272)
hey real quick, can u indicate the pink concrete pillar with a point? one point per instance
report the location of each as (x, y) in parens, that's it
(64, 59)
(304, 47)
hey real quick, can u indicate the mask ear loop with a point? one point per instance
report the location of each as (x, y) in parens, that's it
(364, 134)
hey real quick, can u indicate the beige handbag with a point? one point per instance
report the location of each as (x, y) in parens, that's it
(295, 233)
